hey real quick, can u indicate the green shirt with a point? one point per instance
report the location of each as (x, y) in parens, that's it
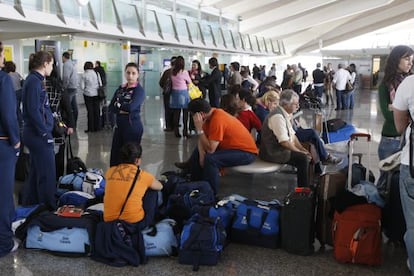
(388, 128)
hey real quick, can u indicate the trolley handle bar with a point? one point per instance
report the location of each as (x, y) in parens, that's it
(355, 136)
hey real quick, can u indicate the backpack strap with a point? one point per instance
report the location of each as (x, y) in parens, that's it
(130, 191)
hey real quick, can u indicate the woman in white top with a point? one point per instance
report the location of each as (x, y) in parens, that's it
(90, 83)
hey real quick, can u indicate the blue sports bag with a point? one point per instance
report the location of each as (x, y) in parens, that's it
(66, 240)
(257, 223)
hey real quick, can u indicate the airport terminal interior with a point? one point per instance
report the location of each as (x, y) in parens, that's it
(149, 32)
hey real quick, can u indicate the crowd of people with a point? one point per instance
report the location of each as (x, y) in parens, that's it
(252, 117)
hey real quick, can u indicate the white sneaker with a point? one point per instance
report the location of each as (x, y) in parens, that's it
(408, 264)
(15, 246)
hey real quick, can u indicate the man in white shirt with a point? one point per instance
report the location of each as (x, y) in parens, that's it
(403, 109)
(340, 79)
(279, 143)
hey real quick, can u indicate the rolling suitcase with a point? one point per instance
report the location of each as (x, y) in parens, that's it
(356, 231)
(297, 222)
(331, 184)
(393, 221)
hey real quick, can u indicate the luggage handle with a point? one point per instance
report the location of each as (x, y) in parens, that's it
(355, 136)
(352, 138)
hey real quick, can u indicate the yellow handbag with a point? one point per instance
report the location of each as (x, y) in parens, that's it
(194, 91)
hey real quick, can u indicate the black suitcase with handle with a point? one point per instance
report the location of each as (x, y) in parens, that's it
(298, 222)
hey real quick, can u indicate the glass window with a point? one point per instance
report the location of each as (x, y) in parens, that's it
(208, 38)
(127, 15)
(246, 41)
(97, 7)
(218, 36)
(166, 23)
(269, 45)
(195, 31)
(182, 28)
(262, 45)
(238, 40)
(255, 43)
(71, 8)
(228, 38)
(36, 5)
(151, 22)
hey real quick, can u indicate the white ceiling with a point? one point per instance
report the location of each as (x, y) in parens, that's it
(305, 25)
(302, 25)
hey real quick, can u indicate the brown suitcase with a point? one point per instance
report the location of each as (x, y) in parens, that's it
(331, 183)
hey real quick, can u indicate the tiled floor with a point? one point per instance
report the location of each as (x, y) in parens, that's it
(160, 151)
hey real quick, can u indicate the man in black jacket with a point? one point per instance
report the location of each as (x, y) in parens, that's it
(213, 83)
(318, 80)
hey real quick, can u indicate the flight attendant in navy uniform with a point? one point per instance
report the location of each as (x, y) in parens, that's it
(40, 186)
(126, 104)
(9, 150)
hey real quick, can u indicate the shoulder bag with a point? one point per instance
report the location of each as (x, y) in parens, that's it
(116, 242)
(101, 88)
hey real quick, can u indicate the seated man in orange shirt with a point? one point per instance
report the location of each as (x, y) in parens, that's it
(223, 142)
(142, 202)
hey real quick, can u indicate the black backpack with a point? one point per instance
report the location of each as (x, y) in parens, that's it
(202, 241)
(74, 164)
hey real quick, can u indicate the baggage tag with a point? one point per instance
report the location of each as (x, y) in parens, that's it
(305, 190)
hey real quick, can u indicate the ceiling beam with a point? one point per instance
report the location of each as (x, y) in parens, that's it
(363, 24)
(309, 18)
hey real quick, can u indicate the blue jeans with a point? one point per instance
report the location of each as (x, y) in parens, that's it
(213, 162)
(319, 91)
(407, 202)
(346, 99)
(311, 136)
(339, 99)
(387, 147)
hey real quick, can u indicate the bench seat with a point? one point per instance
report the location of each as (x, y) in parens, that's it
(257, 167)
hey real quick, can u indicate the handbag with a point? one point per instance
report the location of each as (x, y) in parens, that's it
(349, 86)
(59, 127)
(73, 164)
(194, 92)
(101, 88)
(115, 244)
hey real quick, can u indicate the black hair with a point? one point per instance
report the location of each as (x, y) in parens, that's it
(66, 55)
(235, 65)
(88, 65)
(38, 59)
(98, 63)
(228, 103)
(130, 152)
(199, 105)
(213, 62)
(178, 65)
(247, 96)
(131, 64)
(9, 66)
(393, 61)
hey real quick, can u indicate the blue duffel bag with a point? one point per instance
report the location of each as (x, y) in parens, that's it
(67, 240)
(257, 223)
(62, 235)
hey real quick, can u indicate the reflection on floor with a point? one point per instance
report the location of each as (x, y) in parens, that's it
(161, 150)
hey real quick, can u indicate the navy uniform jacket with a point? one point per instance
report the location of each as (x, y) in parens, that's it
(9, 126)
(37, 114)
(129, 100)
